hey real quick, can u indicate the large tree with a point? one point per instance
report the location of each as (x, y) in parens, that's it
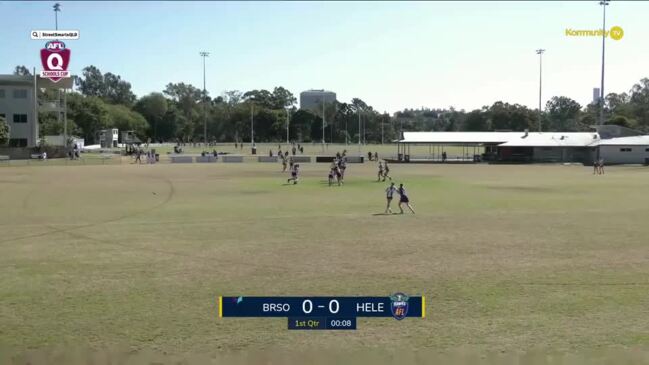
(187, 99)
(639, 103)
(91, 114)
(110, 87)
(125, 119)
(563, 114)
(282, 98)
(117, 91)
(91, 83)
(476, 121)
(261, 98)
(4, 131)
(153, 107)
(21, 70)
(515, 117)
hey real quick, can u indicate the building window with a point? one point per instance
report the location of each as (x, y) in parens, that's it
(20, 118)
(625, 150)
(20, 94)
(2, 93)
(18, 142)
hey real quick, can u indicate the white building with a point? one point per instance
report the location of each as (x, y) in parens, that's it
(613, 144)
(20, 105)
(18, 108)
(625, 150)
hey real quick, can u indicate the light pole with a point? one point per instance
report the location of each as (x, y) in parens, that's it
(252, 124)
(323, 124)
(540, 53)
(383, 120)
(346, 133)
(57, 9)
(204, 55)
(288, 114)
(601, 98)
(358, 110)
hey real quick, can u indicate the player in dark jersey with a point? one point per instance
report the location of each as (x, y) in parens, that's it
(386, 171)
(294, 174)
(403, 199)
(332, 173)
(342, 165)
(339, 175)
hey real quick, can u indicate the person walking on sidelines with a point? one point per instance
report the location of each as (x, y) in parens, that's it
(600, 166)
(389, 194)
(403, 199)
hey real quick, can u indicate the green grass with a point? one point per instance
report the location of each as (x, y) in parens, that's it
(510, 258)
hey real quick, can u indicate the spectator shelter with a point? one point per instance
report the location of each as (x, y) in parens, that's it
(612, 143)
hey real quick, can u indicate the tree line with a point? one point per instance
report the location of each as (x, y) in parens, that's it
(178, 113)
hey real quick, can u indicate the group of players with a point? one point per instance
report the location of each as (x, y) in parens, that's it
(337, 169)
(337, 176)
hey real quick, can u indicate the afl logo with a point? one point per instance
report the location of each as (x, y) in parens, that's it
(399, 305)
(55, 59)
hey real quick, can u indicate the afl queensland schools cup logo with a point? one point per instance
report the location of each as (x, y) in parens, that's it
(399, 305)
(55, 59)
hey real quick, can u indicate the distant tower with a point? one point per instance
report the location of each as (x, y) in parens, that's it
(596, 95)
(312, 100)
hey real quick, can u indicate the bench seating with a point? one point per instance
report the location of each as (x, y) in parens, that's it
(301, 159)
(355, 159)
(267, 159)
(227, 158)
(181, 159)
(206, 158)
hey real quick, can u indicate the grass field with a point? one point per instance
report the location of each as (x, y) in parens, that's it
(509, 257)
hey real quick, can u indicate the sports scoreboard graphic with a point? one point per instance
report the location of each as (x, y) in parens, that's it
(323, 313)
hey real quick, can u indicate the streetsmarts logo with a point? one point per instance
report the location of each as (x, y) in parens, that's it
(615, 33)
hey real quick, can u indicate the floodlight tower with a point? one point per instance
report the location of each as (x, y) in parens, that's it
(288, 121)
(204, 54)
(540, 52)
(57, 9)
(603, 4)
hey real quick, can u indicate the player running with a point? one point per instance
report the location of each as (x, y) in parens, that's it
(284, 163)
(403, 199)
(331, 176)
(380, 174)
(386, 171)
(342, 165)
(389, 193)
(339, 175)
(294, 173)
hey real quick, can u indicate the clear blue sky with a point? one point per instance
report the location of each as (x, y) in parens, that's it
(391, 54)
